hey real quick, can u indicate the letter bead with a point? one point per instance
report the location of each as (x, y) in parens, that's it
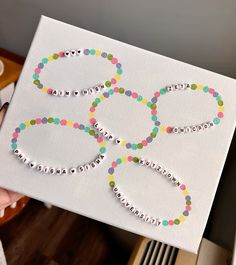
(46, 170)
(80, 169)
(58, 171)
(55, 92)
(85, 92)
(67, 93)
(142, 162)
(64, 171)
(32, 164)
(52, 170)
(73, 170)
(61, 93)
(39, 168)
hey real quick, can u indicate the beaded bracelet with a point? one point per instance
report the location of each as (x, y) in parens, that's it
(57, 170)
(110, 136)
(135, 210)
(77, 53)
(198, 127)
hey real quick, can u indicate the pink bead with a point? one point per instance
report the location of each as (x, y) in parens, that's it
(154, 112)
(116, 89)
(113, 81)
(61, 54)
(49, 91)
(114, 61)
(182, 187)
(144, 142)
(114, 164)
(220, 114)
(211, 91)
(15, 135)
(169, 129)
(171, 222)
(134, 95)
(93, 120)
(130, 158)
(38, 120)
(37, 70)
(99, 139)
(157, 94)
(76, 125)
(188, 207)
(92, 109)
(63, 122)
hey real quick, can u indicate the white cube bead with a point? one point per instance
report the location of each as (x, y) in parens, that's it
(142, 161)
(85, 92)
(110, 137)
(80, 169)
(87, 167)
(32, 164)
(67, 93)
(67, 53)
(64, 171)
(39, 167)
(26, 160)
(46, 170)
(153, 165)
(148, 163)
(73, 53)
(72, 170)
(55, 92)
(52, 170)
(58, 171)
(118, 141)
(61, 93)
(76, 93)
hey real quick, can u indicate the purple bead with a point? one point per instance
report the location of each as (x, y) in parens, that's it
(86, 51)
(157, 123)
(40, 86)
(128, 93)
(44, 120)
(118, 65)
(128, 145)
(215, 94)
(185, 213)
(106, 95)
(111, 170)
(40, 65)
(104, 55)
(14, 140)
(81, 126)
(154, 100)
(17, 130)
(187, 198)
(149, 139)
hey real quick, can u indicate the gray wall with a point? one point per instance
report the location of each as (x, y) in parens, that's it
(200, 32)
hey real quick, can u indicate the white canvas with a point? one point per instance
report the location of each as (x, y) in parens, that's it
(198, 157)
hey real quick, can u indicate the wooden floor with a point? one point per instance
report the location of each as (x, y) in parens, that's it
(41, 236)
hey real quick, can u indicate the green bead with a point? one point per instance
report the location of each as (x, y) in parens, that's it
(216, 120)
(149, 104)
(121, 90)
(119, 71)
(153, 134)
(220, 103)
(92, 51)
(193, 86)
(22, 126)
(57, 121)
(36, 82)
(44, 60)
(94, 104)
(177, 221)
(165, 222)
(119, 161)
(50, 120)
(135, 159)
(188, 203)
(112, 184)
(139, 98)
(109, 56)
(35, 76)
(92, 132)
(155, 129)
(205, 89)
(97, 100)
(13, 146)
(134, 146)
(163, 91)
(32, 122)
(55, 56)
(218, 98)
(153, 106)
(140, 146)
(107, 83)
(102, 150)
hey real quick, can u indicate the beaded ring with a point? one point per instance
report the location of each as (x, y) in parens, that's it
(77, 53)
(198, 127)
(108, 135)
(156, 221)
(49, 169)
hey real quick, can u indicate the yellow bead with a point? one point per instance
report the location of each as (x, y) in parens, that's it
(221, 108)
(102, 144)
(69, 123)
(185, 192)
(123, 143)
(144, 101)
(44, 89)
(182, 218)
(110, 178)
(124, 159)
(27, 124)
(91, 114)
(101, 97)
(162, 128)
(50, 58)
(98, 53)
(117, 77)
(199, 87)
